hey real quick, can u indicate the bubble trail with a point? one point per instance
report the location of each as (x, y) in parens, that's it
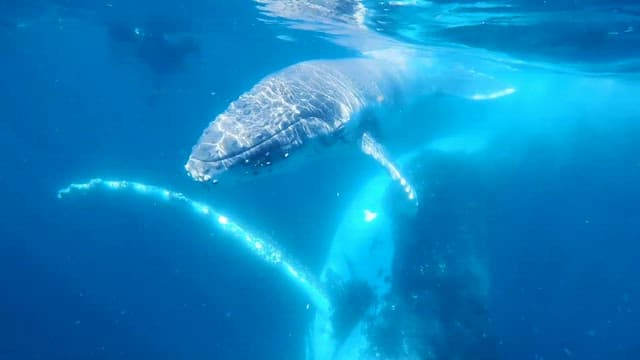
(265, 250)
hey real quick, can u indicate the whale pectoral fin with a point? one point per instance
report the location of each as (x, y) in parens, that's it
(474, 85)
(372, 148)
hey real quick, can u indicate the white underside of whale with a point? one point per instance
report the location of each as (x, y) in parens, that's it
(363, 249)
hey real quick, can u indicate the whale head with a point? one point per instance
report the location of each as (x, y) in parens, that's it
(282, 114)
(231, 145)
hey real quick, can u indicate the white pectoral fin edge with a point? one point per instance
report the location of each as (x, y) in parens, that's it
(372, 148)
(265, 250)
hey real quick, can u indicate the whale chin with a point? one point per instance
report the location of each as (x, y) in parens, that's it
(200, 171)
(245, 166)
(211, 163)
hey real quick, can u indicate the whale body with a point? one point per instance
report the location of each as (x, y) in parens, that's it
(306, 103)
(320, 102)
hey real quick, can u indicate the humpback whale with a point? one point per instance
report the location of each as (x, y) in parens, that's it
(322, 102)
(356, 275)
(319, 103)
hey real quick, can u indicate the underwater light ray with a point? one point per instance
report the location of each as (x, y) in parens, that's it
(265, 250)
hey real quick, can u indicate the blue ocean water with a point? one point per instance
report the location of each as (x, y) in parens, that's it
(545, 213)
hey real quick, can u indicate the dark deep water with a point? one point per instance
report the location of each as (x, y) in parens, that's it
(121, 90)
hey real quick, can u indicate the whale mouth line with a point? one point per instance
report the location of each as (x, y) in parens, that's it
(249, 149)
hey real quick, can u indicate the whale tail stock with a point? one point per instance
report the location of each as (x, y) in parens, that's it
(472, 84)
(471, 74)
